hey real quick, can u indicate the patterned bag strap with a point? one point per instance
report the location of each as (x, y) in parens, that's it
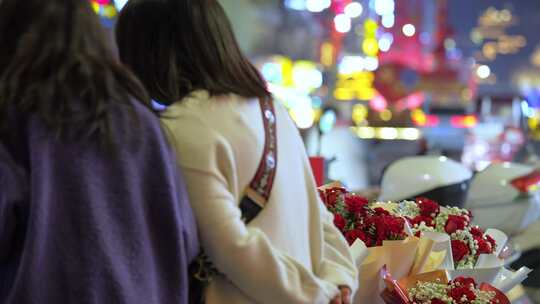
(258, 191)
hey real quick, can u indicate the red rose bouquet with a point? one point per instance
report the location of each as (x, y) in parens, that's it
(354, 217)
(435, 288)
(468, 242)
(377, 237)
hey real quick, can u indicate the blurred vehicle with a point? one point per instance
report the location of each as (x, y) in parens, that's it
(498, 135)
(445, 128)
(435, 177)
(505, 196)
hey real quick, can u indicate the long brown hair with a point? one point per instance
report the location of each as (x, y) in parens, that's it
(178, 46)
(55, 61)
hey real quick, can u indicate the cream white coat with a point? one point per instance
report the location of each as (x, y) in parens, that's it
(291, 252)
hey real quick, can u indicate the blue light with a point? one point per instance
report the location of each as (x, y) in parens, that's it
(298, 5)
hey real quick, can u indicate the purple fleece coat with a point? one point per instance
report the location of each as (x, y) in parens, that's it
(82, 225)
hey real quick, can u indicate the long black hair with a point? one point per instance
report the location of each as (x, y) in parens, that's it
(56, 61)
(178, 46)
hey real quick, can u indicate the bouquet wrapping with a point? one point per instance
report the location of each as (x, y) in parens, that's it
(438, 288)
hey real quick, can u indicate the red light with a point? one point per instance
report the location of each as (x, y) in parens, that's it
(527, 183)
(463, 121)
(426, 120)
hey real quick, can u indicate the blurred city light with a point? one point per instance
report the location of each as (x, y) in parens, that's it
(370, 46)
(354, 9)
(298, 5)
(388, 20)
(342, 23)
(385, 42)
(371, 63)
(384, 7)
(306, 76)
(351, 64)
(409, 30)
(316, 6)
(483, 71)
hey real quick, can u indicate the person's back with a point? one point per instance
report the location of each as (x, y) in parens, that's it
(92, 206)
(80, 224)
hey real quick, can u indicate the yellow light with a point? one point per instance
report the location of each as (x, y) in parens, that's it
(327, 54)
(95, 6)
(109, 11)
(419, 117)
(357, 85)
(387, 133)
(365, 132)
(370, 46)
(489, 50)
(370, 28)
(470, 121)
(409, 134)
(359, 113)
(533, 123)
(385, 115)
(343, 94)
(286, 70)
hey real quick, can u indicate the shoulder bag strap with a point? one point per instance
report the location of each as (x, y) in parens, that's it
(258, 191)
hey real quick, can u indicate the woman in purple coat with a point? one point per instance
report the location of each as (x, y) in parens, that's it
(92, 206)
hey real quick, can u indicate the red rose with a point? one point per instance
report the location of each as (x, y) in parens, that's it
(381, 211)
(476, 231)
(388, 227)
(459, 292)
(437, 301)
(355, 234)
(428, 207)
(355, 204)
(484, 247)
(464, 282)
(455, 223)
(459, 250)
(419, 219)
(491, 241)
(339, 221)
(332, 196)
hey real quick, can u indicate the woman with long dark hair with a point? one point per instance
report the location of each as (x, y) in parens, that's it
(92, 206)
(266, 236)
